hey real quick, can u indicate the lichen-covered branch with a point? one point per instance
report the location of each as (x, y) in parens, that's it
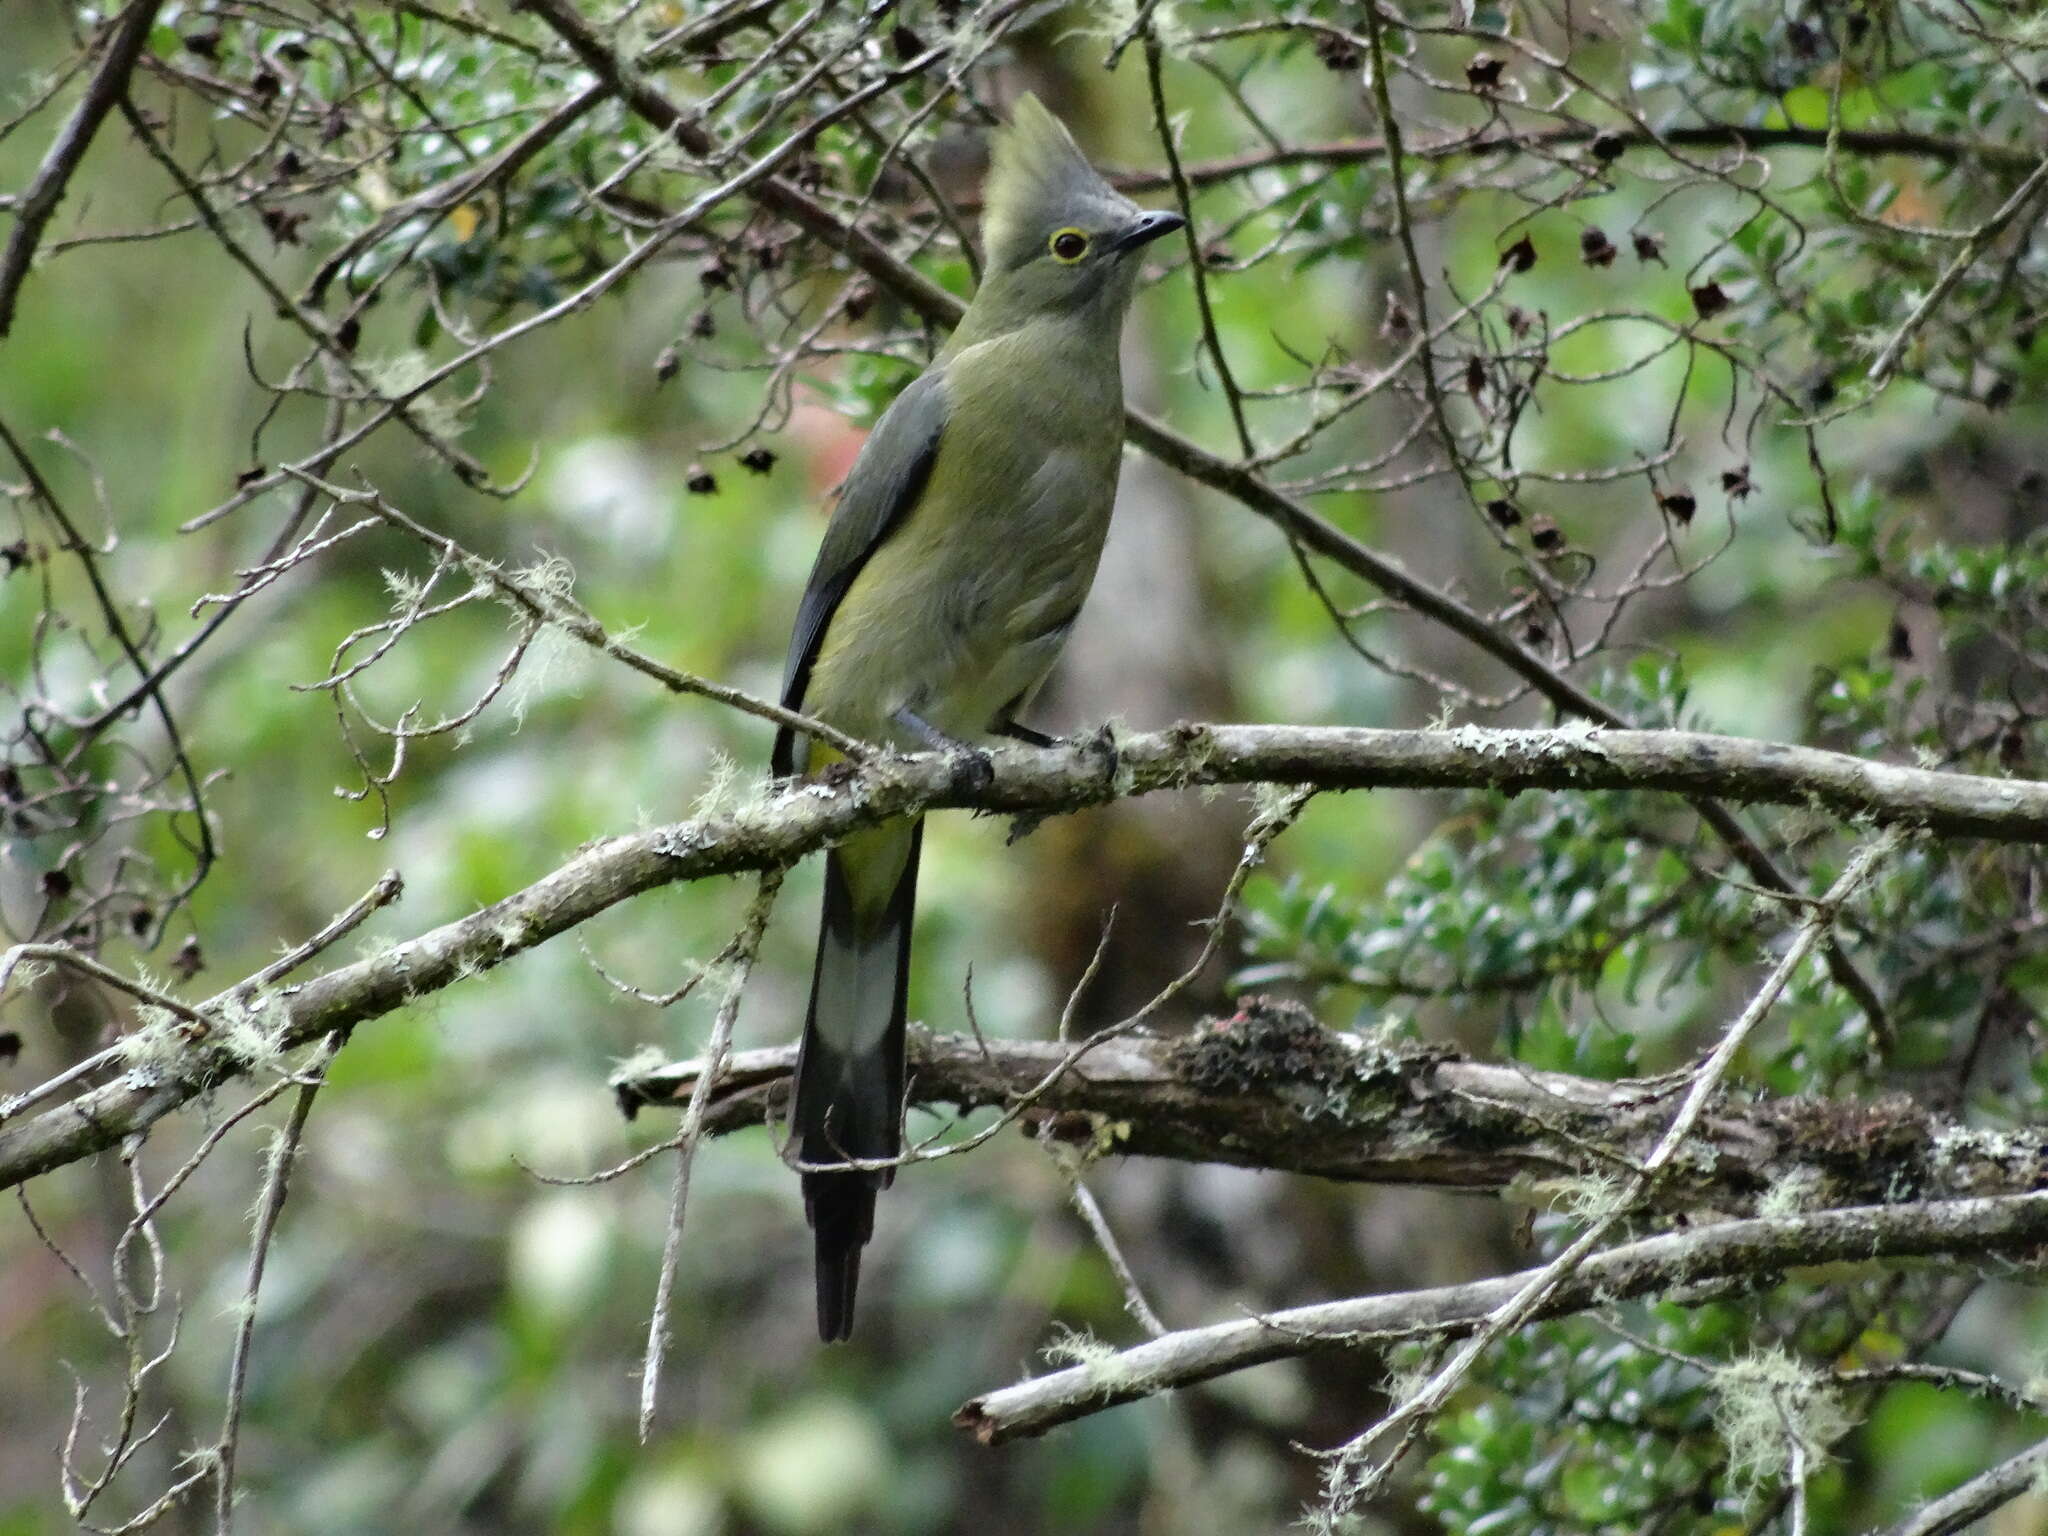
(1727, 1256)
(779, 830)
(1271, 1088)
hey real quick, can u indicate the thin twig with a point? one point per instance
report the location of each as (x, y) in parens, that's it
(1715, 1259)
(717, 1049)
(1346, 1485)
(1888, 360)
(1098, 1227)
(1961, 1508)
(1162, 127)
(34, 208)
(278, 1163)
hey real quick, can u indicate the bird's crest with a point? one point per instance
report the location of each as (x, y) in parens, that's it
(1039, 181)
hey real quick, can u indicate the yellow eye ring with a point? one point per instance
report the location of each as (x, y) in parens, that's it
(1068, 246)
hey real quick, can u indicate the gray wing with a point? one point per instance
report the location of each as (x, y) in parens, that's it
(885, 482)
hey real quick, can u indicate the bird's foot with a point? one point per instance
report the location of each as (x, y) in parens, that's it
(973, 770)
(1099, 744)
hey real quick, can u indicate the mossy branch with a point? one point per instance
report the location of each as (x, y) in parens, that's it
(1271, 1089)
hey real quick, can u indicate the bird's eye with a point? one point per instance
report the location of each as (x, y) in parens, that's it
(1069, 245)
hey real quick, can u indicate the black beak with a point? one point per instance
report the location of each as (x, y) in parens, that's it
(1144, 229)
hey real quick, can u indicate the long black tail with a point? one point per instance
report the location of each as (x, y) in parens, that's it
(848, 1102)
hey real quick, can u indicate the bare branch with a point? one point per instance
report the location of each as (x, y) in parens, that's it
(1726, 1257)
(1617, 138)
(745, 946)
(35, 207)
(283, 1153)
(1963, 1507)
(1973, 249)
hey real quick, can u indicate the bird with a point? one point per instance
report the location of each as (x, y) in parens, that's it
(964, 541)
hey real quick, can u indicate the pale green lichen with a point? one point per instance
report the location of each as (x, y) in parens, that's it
(555, 663)
(1476, 738)
(713, 976)
(512, 931)
(1965, 1156)
(407, 590)
(1590, 1197)
(375, 946)
(644, 1061)
(753, 806)
(1276, 802)
(26, 974)
(721, 795)
(399, 374)
(1405, 1383)
(439, 416)
(1958, 1143)
(201, 1458)
(1577, 735)
(1197, 756)
(278, 1151)
(2025, 31)
(1767, 1402)
(1104, 1365)
(1802, 1189)
(155, 1045)
(1116, 20)
(402, 374)
(2034, 1383)
(549, 581)
(254, 1031)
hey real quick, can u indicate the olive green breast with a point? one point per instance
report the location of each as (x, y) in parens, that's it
(963, 608)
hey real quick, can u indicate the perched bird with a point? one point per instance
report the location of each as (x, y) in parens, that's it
(965, 539)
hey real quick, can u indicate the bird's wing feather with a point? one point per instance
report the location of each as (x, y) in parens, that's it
(884, 484)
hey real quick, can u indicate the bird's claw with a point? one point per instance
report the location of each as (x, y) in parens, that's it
(973, 770)
(1099, 743)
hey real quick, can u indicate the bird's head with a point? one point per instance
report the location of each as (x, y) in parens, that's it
(1058, 237)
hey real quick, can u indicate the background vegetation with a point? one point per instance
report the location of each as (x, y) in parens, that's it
(1689, 351)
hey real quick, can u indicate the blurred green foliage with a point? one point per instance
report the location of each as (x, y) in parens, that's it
(446, 1342)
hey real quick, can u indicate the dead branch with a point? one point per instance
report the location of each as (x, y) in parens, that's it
(1271, 1089)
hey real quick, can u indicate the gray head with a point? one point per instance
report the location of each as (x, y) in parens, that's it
(1058, 237)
